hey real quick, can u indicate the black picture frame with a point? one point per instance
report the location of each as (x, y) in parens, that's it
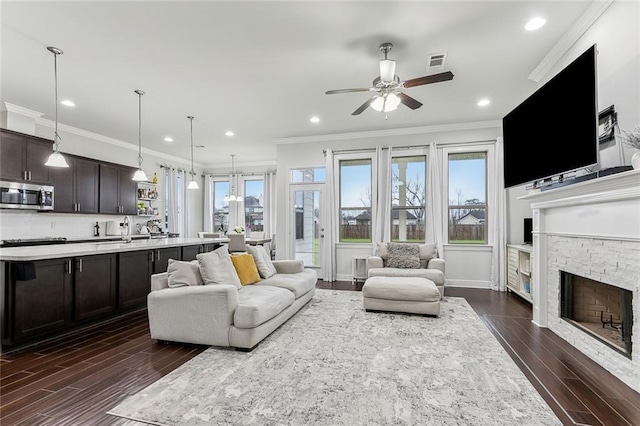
(607, 120)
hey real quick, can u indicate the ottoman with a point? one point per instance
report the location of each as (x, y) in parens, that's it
(401, 294)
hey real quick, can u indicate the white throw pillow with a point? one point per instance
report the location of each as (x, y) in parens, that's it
(263, 261)
(216, 267)
(182, 274)
(427, 252)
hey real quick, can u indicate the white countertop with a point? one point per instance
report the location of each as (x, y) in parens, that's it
(56, 251)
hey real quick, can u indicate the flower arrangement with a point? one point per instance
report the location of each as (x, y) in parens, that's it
(631, 138)
(238, 229)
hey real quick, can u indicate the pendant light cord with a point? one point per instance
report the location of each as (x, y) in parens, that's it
(191, 131)
(55, 75)
(140, 93)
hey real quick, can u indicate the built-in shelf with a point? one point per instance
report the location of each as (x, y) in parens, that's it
(519, 280)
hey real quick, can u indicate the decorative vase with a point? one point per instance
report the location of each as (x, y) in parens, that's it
(635, 160)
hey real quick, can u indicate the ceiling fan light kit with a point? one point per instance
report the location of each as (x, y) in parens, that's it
(388, 86)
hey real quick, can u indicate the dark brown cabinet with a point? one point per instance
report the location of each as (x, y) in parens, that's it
(95, 286)
(118, 192)
(76, 186)
(190, 252)
(161, 258)
(134, 278)
(38, 299)
(22, 157)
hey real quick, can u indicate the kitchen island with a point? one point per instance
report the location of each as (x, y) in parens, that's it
(49, 290)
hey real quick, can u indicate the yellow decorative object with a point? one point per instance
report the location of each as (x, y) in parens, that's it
(155, 178)
(245, 268)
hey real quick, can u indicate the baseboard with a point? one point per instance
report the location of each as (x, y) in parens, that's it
(468, 283)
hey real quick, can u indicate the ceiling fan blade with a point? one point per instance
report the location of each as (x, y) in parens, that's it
(333, 92)
(434, 78)
(363, 106)
(409, 101)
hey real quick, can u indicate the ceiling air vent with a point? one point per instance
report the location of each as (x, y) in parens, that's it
(436, 61)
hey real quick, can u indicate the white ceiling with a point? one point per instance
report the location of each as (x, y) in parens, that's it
(262, 68)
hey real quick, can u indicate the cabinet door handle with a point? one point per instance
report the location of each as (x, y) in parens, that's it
(29, 174)
(157, 255)
(80, 264)
(24, 175)
(151, 256)
(69, 266)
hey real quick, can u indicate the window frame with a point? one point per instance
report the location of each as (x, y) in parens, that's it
(364, 155)
(488, 148)
(411, 152)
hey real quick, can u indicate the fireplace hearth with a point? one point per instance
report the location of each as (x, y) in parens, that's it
(600, 310)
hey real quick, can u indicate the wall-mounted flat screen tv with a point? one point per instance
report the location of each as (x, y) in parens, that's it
(555, 130)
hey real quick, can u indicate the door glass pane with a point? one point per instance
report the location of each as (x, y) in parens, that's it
(307, 231)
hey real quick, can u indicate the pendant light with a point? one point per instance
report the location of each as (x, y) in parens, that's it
(56, 159)
(140, 175)
(232, 196)
(193, 184)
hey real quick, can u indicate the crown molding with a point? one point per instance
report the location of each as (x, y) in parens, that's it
(9, 107)
(577, 30)
(111, 141)
(391, 132)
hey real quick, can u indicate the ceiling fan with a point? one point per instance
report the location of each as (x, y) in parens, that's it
(388, 87)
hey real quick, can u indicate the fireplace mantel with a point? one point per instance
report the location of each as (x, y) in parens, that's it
(591, 228)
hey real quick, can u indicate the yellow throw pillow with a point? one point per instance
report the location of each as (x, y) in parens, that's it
(246, 268)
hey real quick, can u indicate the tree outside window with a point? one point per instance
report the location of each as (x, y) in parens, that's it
(467, 198)
(253, 205)
(355, 201)
(220, 206)
(408, 195)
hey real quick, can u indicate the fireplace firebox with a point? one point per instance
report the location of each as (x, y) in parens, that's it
(601, 310)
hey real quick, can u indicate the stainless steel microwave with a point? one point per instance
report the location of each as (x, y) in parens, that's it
(17, 195)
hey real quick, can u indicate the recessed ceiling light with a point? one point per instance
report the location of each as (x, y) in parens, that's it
(168, 139)
(484, 102)
(535, 23)
(229, 133)
(68, 103)
(314, 119)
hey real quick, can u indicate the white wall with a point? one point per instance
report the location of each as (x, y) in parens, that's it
(466, 265)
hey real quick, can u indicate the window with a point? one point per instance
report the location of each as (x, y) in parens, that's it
(220, 206)
(253, 205)
(355, 200)
(308, 175)
(408, 195)
(467, 198)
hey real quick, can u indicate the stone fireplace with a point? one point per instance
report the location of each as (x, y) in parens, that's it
(588, 235)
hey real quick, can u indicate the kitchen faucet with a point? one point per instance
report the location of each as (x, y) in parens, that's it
(126, 230)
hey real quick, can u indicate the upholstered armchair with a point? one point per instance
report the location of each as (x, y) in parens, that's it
(407, 260)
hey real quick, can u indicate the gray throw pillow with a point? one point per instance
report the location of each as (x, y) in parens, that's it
(216, 267)
(182, 274)
(263, 261)
(403, 255)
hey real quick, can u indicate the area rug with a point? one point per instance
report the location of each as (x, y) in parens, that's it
(333, 363)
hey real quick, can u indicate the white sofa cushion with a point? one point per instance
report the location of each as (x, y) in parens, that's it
(299, 283)
(216, 267)
(180, 273)
(258, 304)
(263, 261)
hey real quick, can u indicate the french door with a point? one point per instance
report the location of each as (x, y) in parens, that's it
(306, 226)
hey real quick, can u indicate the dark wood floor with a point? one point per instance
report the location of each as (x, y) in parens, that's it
(76, 379)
